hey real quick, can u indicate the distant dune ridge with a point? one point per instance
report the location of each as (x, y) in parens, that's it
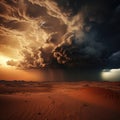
(21, 100)
(101, 96)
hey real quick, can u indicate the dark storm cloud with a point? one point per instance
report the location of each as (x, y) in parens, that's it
(84, 52)
(36, 58)
(101, 33)
(71, 6)
(114, 60)
(62, 33)
(75, 6)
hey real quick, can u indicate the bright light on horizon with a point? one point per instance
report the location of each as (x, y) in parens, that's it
(3, 61)
(111, 74)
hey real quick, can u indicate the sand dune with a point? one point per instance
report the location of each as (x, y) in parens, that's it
(59, 101)
(100, 97)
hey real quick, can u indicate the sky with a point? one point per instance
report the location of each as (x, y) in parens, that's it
(59, 39)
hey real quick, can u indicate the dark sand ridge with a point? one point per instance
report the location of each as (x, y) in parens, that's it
(99, 96)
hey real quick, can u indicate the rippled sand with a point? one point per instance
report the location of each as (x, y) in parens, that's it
(59, 101)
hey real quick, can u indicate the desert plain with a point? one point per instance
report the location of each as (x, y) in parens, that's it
(20, 100)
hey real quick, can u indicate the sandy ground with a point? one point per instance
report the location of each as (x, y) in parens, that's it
(59, 100)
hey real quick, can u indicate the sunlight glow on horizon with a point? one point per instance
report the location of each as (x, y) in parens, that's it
(3, 61)
(111, 75)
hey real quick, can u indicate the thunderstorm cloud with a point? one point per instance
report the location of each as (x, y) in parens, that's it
(41, 34)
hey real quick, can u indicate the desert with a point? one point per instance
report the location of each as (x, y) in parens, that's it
(20, 100)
